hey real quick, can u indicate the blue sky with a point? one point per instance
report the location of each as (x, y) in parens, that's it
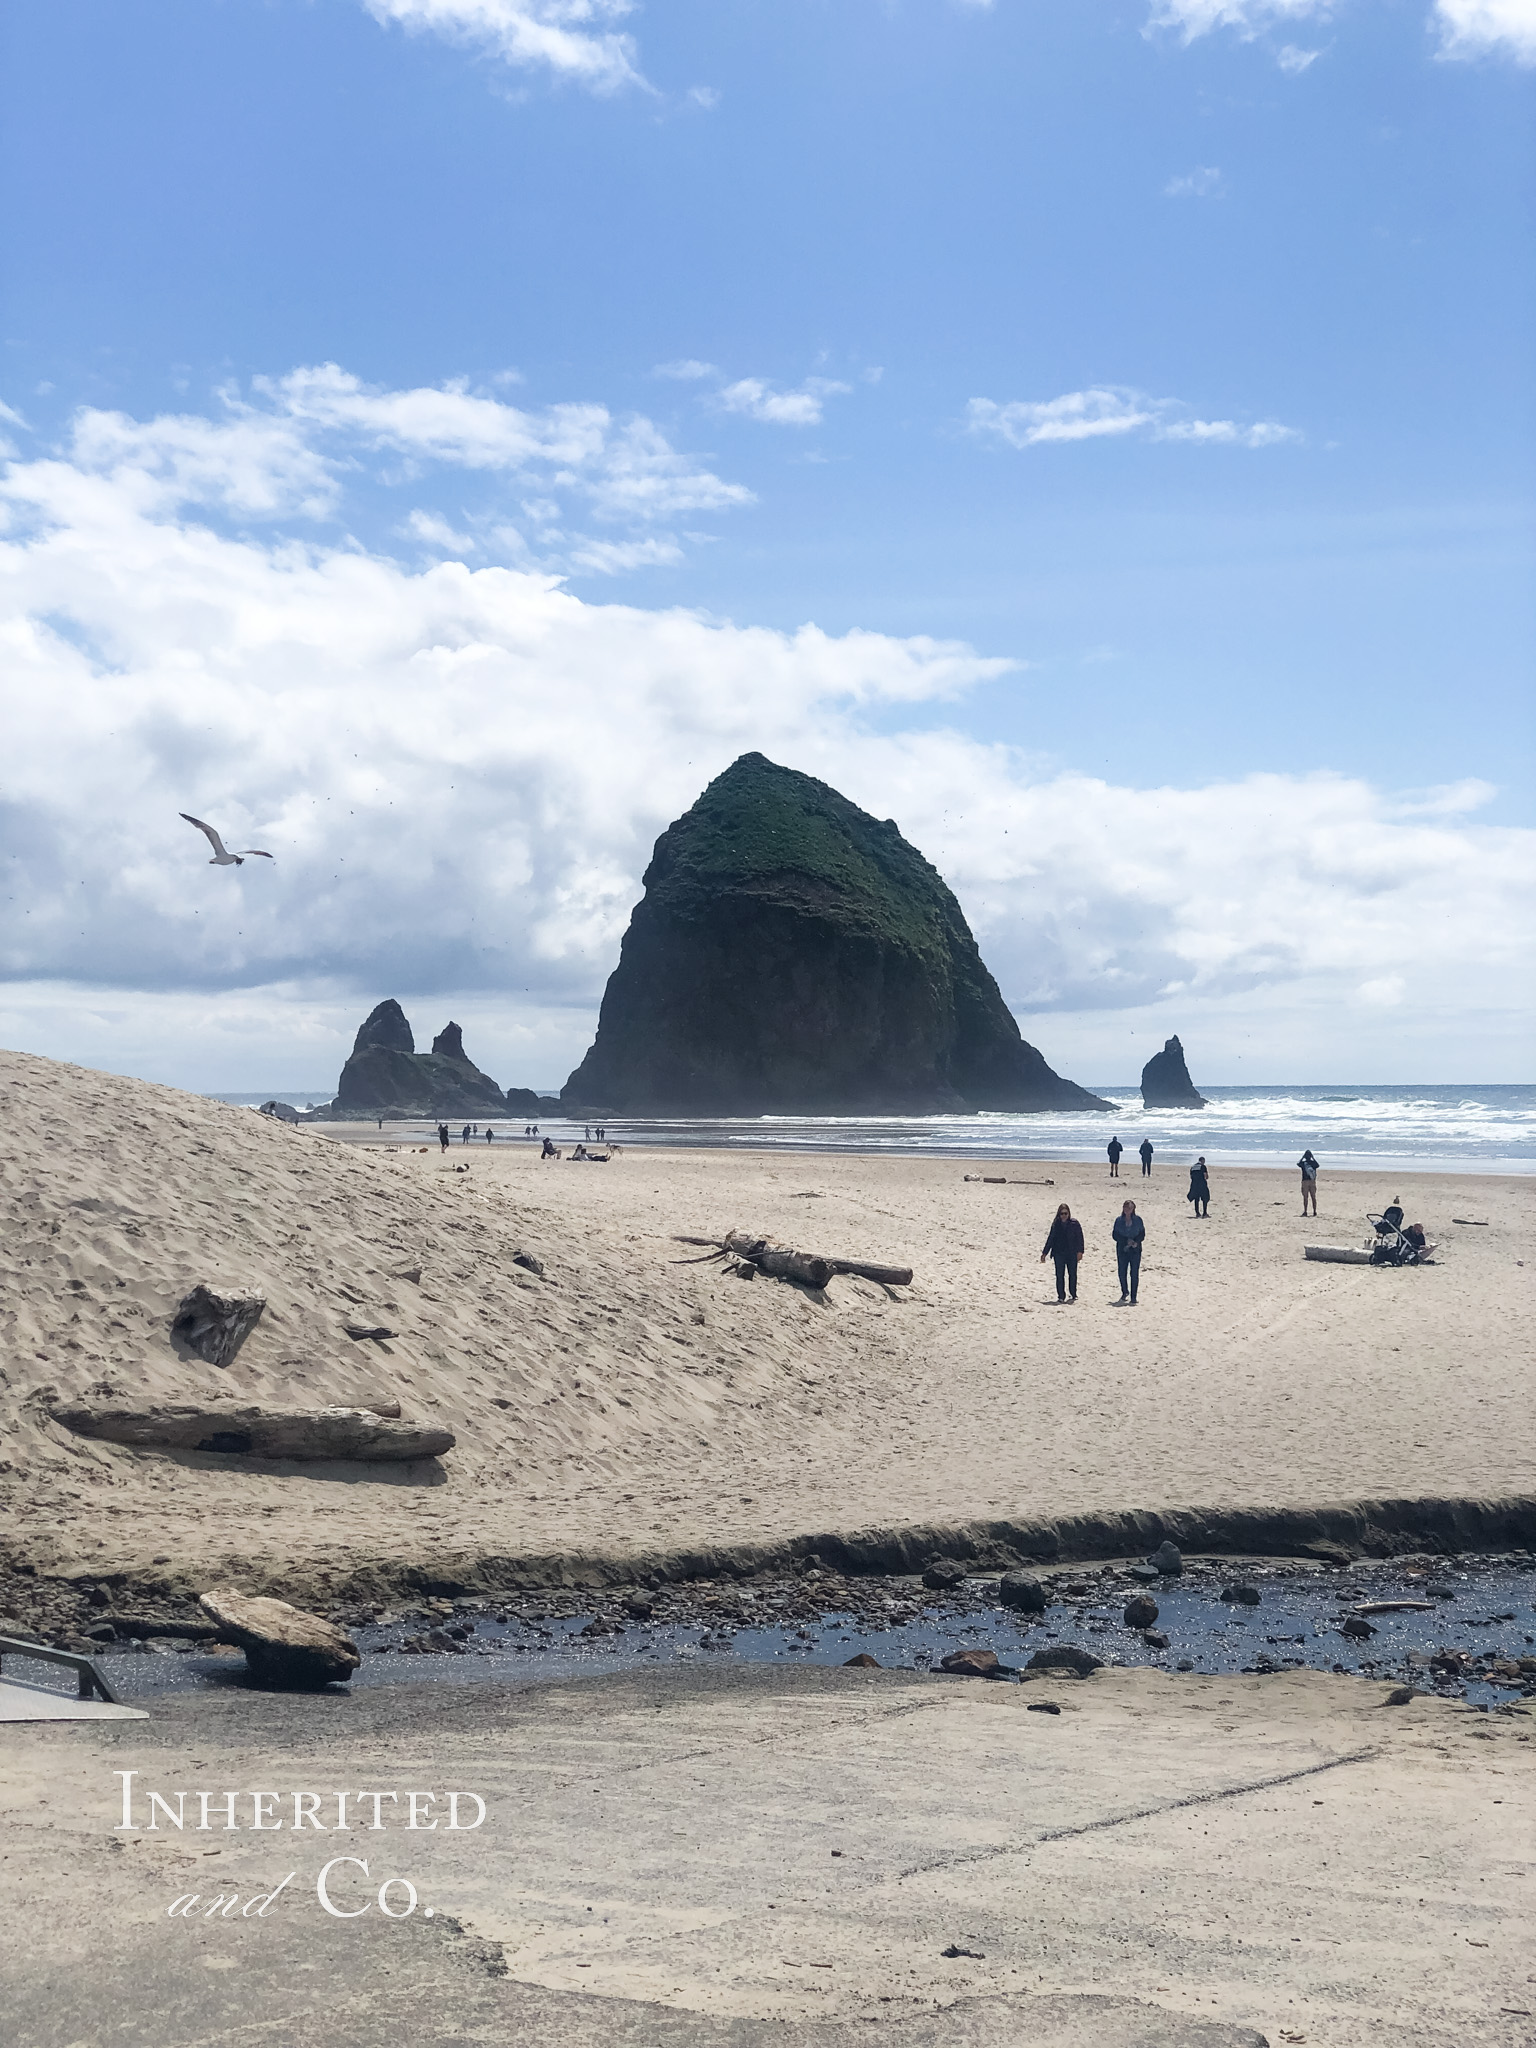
(1174, 359)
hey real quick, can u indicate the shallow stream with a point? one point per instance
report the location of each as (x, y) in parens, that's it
(1479, 1607)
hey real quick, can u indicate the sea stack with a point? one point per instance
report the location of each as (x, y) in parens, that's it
(386, 1076)
(1165, 1082)
(792, 954)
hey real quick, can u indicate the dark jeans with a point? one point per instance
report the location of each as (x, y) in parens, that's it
(1066, 1271)
(1146, 1166)
(1202, 1204)
(1128, 1259)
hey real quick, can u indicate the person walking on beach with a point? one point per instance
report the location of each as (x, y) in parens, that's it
(1308, 1167)
(464, 1135)
(1114, 1148)
(1065, 1245)
(1129, 1235)
(442, 1136)
(1199, 1187)
(1146, 1158)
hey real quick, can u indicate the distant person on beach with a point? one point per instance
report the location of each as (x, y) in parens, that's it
(1308, 1167)
(551, 1150)
(1065, 1245)
(1200, 1187)
(489, 1134)
(1146, 1156)
(1114, 1148)
(464, 1137)
(1129, 1235)
(442, 1136)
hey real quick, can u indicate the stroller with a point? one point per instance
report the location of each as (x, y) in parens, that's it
(1393, 1246)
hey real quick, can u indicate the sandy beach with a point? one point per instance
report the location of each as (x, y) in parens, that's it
(632, 1402)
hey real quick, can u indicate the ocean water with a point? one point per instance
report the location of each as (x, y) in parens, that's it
(1459, 1129)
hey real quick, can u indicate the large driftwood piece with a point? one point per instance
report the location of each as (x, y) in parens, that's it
(214, 1326)
(812, 1269)
(250, 1432)
(283, 1645)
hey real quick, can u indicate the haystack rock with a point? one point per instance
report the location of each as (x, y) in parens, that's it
(1165, 1082)
(386, 1076)
(793, 954)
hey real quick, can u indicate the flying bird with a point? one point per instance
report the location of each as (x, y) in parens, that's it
(222, 857)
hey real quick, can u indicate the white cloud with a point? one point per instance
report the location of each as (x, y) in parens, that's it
(570, 38)
(1249, 18)
(687, 370)
(1476, 28)
(292, 448)
(463, 770)
(704, 96)
(1111, 411)
(1466, 28)
(1201, 183)
(760, 400)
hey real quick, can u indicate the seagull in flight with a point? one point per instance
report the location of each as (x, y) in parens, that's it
(222, 857)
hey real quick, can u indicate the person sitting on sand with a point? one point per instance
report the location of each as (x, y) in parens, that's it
(580, 1152)
(1065, 1245)
(1129, 1234)
(551, 1150)
(1414, 1232)
(1308, 1167)
(1200, 1187)
(1114, 1149)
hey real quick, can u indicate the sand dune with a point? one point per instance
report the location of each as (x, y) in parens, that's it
(628, 1401)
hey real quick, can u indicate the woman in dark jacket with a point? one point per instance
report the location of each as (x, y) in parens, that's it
(1199, 1187)
(1129, 1235)
(1065, 1246)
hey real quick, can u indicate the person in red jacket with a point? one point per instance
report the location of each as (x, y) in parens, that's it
(1065, 1246)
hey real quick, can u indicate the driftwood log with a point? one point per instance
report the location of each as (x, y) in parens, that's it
(811, 1269)
(214, 1326)
(283, 1645)
(248, 1432)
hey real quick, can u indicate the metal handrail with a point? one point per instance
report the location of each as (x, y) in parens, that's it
(91, 1680)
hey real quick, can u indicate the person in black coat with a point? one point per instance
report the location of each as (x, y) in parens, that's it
(1146, 1156)
(1065, 1246)
(1114, 1148)
(1199, 1187)
(1129, 1235)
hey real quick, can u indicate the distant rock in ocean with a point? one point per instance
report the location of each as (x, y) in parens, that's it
(793, 954)
(1165, 1082)
(386, 1076)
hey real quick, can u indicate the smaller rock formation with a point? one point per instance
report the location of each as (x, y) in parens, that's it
(251, 1432)
(1165, 1082)
(283, 1646)
(1140, 1612)
(387, 1077)
(214, 1326)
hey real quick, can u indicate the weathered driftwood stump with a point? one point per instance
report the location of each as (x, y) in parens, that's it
(214, 1326)
(811, 1269)
(250, 1432)
(283, 1645)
